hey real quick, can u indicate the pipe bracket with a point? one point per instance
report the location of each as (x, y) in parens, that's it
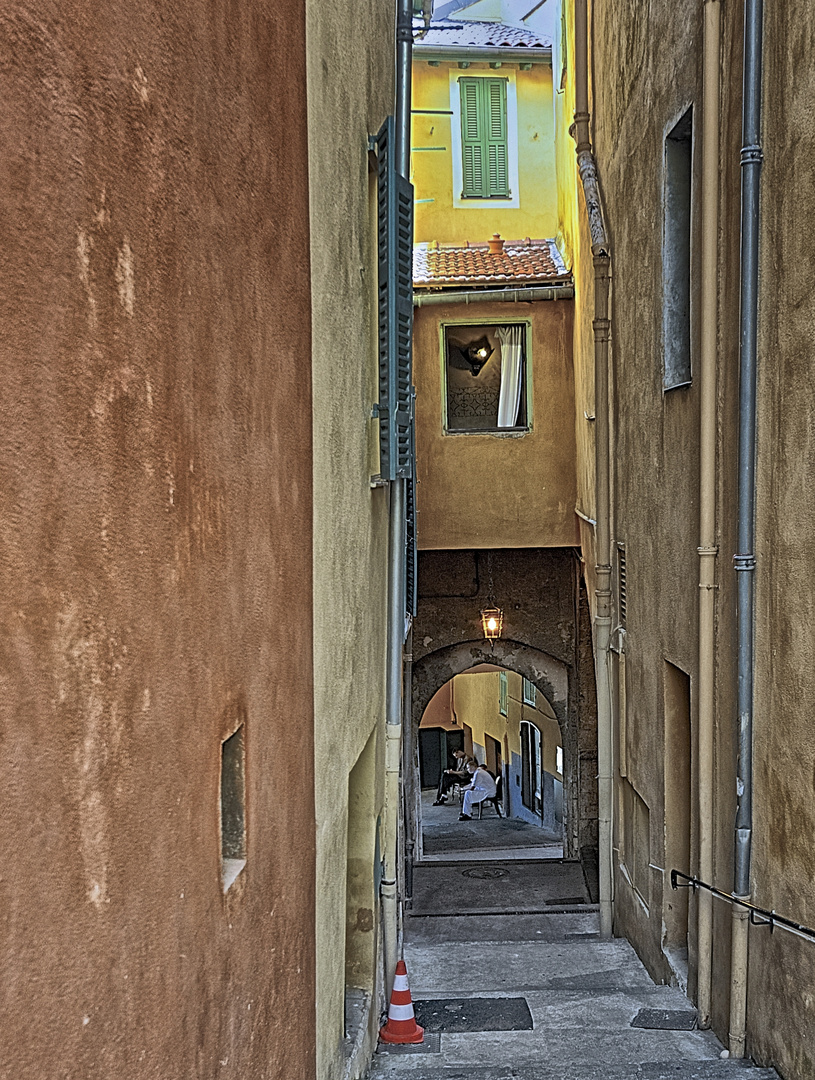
(752, 155)
(744, 563)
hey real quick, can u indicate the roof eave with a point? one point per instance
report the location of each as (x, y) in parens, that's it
(509, 54)
(494, 283)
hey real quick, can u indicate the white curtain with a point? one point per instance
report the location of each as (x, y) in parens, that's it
(509, 400)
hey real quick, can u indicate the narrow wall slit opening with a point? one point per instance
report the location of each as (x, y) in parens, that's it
(233, 807)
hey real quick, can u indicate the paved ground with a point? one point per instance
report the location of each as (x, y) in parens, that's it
(466, 888)
(582, 993)
(445, 837)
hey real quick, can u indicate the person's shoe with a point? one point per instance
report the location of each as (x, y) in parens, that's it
(465, 817)
(440, 802)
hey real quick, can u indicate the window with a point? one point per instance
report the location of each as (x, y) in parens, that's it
(233, 808)
(484, 148)
(676, 261)
(529, 692)
(486, 378)
(502, 693)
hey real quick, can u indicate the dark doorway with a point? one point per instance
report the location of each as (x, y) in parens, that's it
(436, 746)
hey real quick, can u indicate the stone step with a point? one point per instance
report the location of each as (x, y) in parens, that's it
(391, 1067)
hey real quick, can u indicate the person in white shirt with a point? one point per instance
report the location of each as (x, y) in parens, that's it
(481, 787)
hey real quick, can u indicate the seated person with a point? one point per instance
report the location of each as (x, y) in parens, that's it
(481, 787)
(450, 777)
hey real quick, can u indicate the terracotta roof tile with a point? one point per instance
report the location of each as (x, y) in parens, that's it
(465, 33)
(520, 262)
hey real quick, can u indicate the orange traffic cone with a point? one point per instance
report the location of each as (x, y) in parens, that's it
(401, 1026)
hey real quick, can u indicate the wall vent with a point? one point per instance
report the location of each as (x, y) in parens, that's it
(621, 584)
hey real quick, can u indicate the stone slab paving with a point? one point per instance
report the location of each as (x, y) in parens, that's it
(583, 994)
(529, 885)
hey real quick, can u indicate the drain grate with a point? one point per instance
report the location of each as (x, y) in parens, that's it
(455, 1015)
(665, 1020)
(485, 873)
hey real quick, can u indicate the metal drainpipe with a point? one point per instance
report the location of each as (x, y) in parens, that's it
(745, 560)
(396, 567)
(707, 549)
(409, 819)
(601, 326)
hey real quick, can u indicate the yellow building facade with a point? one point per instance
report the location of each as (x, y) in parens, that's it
(443, 213)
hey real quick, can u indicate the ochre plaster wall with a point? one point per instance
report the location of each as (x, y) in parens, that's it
(432, 170)
(782, 967)
(574, 243)
(655, 435)
(155, 528)
(647, 72)
(350, 88)
(486, 490)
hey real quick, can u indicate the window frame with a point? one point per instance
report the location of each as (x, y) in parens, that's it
(504, 433)
(461, 202)
(529, 691)
(483, 106)
(678, 210)
(503, 693)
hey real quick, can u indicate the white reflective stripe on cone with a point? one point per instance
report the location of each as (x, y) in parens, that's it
(400, 982)
(400, 1012)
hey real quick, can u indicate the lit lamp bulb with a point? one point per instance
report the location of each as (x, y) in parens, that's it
(492, 621)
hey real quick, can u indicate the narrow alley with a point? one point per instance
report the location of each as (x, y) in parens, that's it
(407, 420)
(510, 979)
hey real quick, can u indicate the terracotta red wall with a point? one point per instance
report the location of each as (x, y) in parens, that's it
(155, 538)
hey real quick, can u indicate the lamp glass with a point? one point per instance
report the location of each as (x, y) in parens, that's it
(492, 621)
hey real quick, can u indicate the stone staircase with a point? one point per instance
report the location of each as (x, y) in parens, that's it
(583, 995)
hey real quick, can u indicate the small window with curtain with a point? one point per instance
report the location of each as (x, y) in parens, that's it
(486, 375)
(484, 145)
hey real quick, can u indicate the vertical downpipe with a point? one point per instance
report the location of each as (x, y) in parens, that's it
(396, 564)
(745, 560)
(707, 490)
(601, 327)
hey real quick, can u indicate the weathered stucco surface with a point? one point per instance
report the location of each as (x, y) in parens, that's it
(155, 530)
(350, 93)
(647, 71)
(490, 490)
(782, 985)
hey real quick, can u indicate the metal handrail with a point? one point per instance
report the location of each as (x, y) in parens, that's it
(758, 916)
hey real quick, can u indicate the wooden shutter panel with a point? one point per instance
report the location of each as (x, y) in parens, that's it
(495, 94)
(473, 142)
(395, 226)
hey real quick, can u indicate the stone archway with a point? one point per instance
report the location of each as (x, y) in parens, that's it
(549, 675)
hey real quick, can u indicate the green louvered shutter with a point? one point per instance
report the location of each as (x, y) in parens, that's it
(395, 214)
(484, 138)
(495, 95)
(472, 139)
(410, 539)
